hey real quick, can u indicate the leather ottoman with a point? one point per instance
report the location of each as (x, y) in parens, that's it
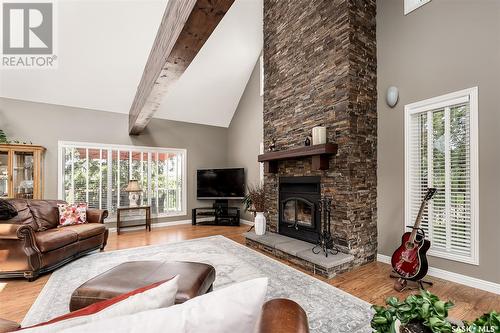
(194, 279)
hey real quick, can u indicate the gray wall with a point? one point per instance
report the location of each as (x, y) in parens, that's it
(45, 124)
(444, 46)
(245, 132)
(207, 146)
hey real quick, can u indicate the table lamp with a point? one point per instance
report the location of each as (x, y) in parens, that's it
(134, 195)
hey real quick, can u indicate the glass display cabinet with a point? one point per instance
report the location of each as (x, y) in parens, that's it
(21, 171)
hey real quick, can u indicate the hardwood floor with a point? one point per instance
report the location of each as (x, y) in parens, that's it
(369, 282)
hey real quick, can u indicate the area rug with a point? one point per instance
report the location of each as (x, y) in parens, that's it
(329, 309)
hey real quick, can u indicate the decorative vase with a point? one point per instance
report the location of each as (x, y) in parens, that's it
(318, 135)
(260, 224)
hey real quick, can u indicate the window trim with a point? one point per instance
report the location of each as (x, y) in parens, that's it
(470, 95)
(93, 145)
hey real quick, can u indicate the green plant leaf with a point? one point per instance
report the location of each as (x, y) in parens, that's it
(424, 310)
(440, 308)
(404, 308)
(412, 299)
(429, 310)
(392, 301)
(380, 320)
(436, 322)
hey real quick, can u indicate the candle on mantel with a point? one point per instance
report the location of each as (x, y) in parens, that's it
(318, 135)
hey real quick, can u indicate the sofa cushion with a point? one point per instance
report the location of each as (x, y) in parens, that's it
(24, 215)
(45, 213)
(52, 239)
(232, 309)
(154, 296)
(87, 230)
(72, 214)
(7, 211)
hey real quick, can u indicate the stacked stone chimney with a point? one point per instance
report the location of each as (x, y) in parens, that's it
(320, 69)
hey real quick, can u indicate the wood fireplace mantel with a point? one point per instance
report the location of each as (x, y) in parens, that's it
(320, 155)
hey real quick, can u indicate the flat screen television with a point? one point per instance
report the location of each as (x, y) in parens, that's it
(221, 183)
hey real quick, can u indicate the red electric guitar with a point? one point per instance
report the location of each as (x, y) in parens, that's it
(410, 260)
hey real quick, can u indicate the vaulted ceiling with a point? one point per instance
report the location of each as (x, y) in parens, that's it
(209, 90)
(103, 47)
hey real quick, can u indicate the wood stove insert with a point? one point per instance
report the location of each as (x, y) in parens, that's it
(299, 214)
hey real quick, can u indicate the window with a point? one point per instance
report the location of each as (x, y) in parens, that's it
(442, 151)
(98, 173)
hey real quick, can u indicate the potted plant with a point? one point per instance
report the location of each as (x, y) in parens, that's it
(426, 313)
(255, 202)
(3, 137)
(489, 322)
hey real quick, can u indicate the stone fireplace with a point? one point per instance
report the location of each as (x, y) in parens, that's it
(320, 69)
(299, 215)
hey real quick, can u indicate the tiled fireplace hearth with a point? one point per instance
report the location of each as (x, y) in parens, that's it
(300, 253)
(324, 76)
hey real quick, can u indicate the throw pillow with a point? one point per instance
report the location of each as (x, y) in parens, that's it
(236, 308)
(157, 295)
(72, 214)
(7, 211)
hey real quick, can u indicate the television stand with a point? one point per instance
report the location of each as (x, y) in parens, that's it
(222, 215)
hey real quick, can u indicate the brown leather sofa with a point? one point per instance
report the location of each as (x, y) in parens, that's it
(32, 244)
(278, 316)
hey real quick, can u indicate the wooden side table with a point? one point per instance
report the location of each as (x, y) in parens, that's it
(121, 209)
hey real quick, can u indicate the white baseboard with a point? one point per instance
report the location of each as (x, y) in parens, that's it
(246, 222)
(171, 223)
(160, 224)
(454, 277)
(383, 258)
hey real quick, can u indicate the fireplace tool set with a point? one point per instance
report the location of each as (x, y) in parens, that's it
(325, 242)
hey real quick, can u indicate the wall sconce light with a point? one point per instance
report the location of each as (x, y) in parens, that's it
(392, 96)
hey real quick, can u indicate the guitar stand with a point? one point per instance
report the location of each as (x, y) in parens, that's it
(401, 283)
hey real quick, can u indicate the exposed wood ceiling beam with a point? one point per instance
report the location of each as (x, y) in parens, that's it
(185, 27)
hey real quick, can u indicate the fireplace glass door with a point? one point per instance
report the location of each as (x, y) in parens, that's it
(297, 212)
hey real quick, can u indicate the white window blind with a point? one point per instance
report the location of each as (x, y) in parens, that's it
(98, 174)
(441, 152)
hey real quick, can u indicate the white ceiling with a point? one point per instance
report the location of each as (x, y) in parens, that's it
(104, 45)
(211, 87)
(102, 48)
